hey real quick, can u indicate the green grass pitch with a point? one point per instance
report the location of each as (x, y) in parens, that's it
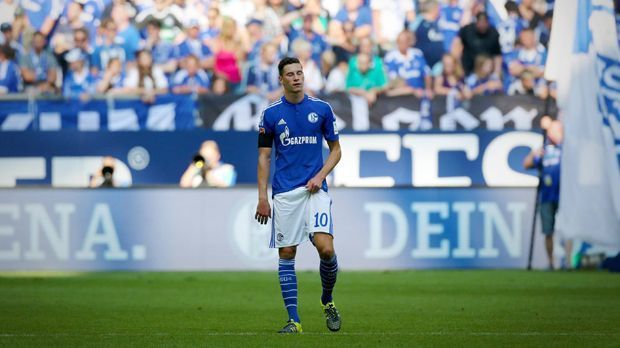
(241, 309)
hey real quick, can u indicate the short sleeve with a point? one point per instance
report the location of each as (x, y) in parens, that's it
(264, 126)
(364, 17)
(342, 16)
(329, 126)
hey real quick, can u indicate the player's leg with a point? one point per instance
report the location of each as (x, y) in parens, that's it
(547, 217)
(288, 287)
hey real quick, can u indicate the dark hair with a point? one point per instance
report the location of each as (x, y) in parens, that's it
(482, 15)
(286, 61)
(154, 22)
(83, 31)
(511, 6)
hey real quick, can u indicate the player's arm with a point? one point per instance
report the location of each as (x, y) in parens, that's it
(314, 184)
(263, 209)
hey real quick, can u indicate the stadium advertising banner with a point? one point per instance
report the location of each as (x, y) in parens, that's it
(371, 159)
(167, 113)
(392, 113)
(211, 229)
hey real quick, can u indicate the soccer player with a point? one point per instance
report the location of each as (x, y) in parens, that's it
(295, 126)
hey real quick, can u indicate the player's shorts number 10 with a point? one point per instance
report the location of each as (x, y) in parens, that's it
(320, 220)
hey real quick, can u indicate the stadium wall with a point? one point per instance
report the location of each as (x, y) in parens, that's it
(214, 229)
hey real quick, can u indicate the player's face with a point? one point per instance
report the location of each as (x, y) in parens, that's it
(292, 78)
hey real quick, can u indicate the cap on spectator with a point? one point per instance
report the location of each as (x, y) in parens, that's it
(255, 21)
(194, 22)
(6, 27)
(74, 55)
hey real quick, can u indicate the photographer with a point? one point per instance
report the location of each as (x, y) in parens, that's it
(208, 170)
(104, 177)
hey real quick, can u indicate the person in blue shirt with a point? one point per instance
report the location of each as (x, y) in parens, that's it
(263, 78)
(128, 34)
(450, 16)
(39, 67)
(43, 14)
(10, 79)
(354, 12)
(318, 42)
(429, 37)
(296, 126)
(407, 69)
(113, 78)
(79, 82)
(483, 81)
(192, 45)
(191, 79)
(108, 49)
(164, 54)
(530, 57)
(547, 161)
(8, 39)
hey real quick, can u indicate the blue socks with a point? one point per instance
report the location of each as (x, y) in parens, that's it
(288, 285)
(328, 271)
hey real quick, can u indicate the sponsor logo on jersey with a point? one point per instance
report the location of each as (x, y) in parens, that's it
(286, 140)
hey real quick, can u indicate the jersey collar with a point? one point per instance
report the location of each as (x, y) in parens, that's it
(283, 98)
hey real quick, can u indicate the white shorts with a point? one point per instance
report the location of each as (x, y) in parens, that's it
(297, 215)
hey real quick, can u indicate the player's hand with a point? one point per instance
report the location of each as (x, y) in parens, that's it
(314, 184)
(263, 211)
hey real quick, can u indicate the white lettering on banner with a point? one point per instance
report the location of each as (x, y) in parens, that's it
(425, 229)
(509, 228)
(101, 217)
(14, 168)
(101, 232)
(495, 168)
(239, 115)
(57, 238)
(348, 174)
(377, 249)
(12, 253)
(425, 157)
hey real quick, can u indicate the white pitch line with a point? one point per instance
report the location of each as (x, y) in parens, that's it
(216, 334)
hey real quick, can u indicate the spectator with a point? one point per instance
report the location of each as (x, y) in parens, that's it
(10, 80)
(43, 15)
(376, 68)
(547, 21)
(109, 47)
(207, 169)
(191, 79)
(39, 67)
(407, 68)
(169, 17)
(429, 38)
(527, 84)
(363, 81)
(192, 45)
(476, 39)
(257, 40)
(229, 53)
(146, 79)
(510, 28)
(312, 73)
(547, 161)
(221, 86)
(272, 28)
(79, 82)
(74, 18)
(293, 20)
(337, 76)
(318, 42)
(388, 19)
(214, 23)
(450, 18)
(356, 13)
(483, 80)
(164, 53)
(528, 14)
(263, 77)
(530, 59)
(8, 39)
(347, 48)
(113, 78)
(128, 35)
(451, 80)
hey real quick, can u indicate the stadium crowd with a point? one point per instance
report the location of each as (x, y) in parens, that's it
(79, 48)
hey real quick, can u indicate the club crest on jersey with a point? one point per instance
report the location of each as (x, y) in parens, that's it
(313, 117)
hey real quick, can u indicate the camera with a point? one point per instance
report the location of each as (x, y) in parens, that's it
(199, 161)
(107, 172)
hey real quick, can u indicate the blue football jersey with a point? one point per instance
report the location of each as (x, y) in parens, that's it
(298, 131)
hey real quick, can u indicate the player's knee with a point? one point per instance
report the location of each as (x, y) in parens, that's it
(287, 253)
(326, 252)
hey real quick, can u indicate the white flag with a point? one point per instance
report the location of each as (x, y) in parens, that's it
(584, 59)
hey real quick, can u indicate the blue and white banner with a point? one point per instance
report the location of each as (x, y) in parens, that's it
(379, 159)
(167, 113)
(175, 229)
(584, 58)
